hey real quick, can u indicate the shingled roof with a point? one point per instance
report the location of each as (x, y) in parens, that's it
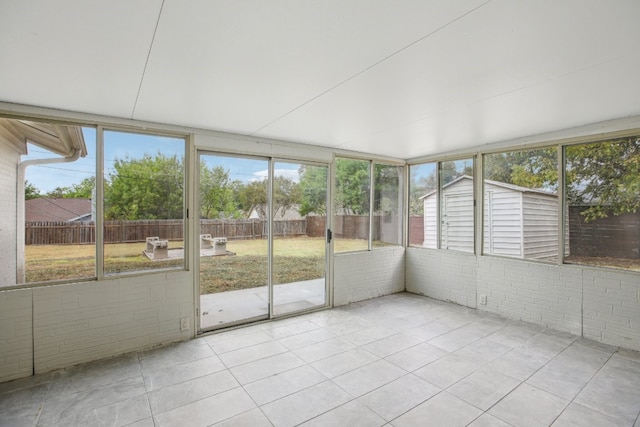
(46, 209)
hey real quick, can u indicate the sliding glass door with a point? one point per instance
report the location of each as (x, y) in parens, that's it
(299, 243)
(233, 240)
(261, 238)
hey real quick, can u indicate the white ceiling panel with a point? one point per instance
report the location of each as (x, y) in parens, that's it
(77, 55)
(441, 93)
(400, 78)
(240, 65)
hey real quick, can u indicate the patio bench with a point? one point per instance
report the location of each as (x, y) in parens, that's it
(159, 248)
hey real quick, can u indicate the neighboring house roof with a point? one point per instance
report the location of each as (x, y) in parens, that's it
(45, 209)
(497, 184)
(292, 213)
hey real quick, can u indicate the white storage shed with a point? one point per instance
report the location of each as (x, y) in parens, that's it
(518, 221)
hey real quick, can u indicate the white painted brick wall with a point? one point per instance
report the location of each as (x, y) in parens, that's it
(16, 349)
(80, 322)
(602, 305)
(9, 159)
(539, 293)
(363, 275)
(612, 307)
(444, 275)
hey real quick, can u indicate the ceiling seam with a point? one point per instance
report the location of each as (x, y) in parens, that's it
(146, 63)
(375, 64)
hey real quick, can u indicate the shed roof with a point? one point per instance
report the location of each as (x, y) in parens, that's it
(46, 209)
(497, 184)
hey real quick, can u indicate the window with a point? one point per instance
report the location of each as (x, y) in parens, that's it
(143, 202)
(456, 205)
(59, 203)
(423, 202)
(140, 201)
(521, 204)
(387, 205)
(352, 205)
(602, 191)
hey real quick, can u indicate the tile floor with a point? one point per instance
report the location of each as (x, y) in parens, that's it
(399, 360)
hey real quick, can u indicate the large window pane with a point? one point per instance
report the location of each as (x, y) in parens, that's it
(143, 202)
(456, 205)
(423, 201)
(352, 198)
(603, 197)
(387, 204)
(59, 204)
(521, 204)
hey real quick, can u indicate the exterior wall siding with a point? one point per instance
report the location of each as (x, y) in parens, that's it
(502, 224)
(540, 226)
(9, 159)
(431, 222)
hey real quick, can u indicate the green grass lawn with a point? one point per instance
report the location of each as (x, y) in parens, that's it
(295, 259)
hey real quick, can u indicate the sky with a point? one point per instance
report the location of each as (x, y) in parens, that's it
(120, 145)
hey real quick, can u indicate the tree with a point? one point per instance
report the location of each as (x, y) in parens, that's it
(352, 186)
(313, 190)
(253, 197)
(216, 193)
(536, 168)
(387, 185)
(147, 188)
(423, 181)
(286, 194)
(604, 176)
(30, 191)
(452, 170)
(82, 190)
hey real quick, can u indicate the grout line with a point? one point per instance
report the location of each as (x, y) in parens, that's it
(584, 386)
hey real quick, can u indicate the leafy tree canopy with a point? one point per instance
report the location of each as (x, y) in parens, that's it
(147, 188)
(253, 196)
(313, 190)
(30, 191)
(605, 176)
(352, 186)
(83, 190)
(217, 198)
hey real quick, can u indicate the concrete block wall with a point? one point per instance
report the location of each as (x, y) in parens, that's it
(443, 275)
(16, 339)
(363, 275)
(599, 304)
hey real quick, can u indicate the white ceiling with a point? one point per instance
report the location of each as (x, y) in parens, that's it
(395, 77)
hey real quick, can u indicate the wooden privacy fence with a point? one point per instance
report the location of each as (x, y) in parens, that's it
(75, 233)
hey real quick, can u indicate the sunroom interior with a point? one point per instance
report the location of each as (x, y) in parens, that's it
(256, 167)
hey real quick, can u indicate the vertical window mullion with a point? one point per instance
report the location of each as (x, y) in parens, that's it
(563, 206)
(438, 206)
(99, 220)
(371, 202)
